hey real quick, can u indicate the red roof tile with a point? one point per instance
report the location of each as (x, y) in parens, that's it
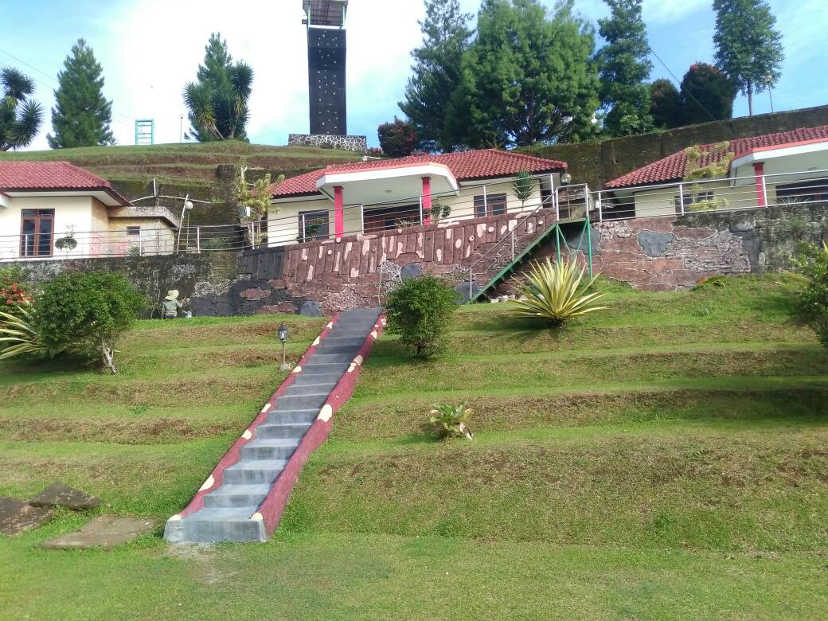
(52, 176)
(464, 165)
(673, 167)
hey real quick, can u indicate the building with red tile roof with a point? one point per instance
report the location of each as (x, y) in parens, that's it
(56, 209)
(368, 196)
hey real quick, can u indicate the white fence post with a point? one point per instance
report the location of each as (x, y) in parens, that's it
(198, 239)
(421, 209)
(362, 218)
(485, 201)
(681, 198)
(764, 192)
(600, 207)
(140, 243)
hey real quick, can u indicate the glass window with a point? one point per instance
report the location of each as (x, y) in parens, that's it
(313, 225)
(36, 232)
(491, 205)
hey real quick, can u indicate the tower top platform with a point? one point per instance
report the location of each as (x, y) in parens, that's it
(325, 13)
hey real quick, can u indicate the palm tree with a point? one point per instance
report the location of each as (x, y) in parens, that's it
(20, 116)
(217, 100)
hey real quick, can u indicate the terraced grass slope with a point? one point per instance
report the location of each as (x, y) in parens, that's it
(665, 459)
(188, 166)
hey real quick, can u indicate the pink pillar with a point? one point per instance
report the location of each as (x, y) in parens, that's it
(758, 171)
(426, 200)
(339, 213)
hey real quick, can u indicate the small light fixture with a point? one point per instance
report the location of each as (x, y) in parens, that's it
(283, 337)
(566, 178)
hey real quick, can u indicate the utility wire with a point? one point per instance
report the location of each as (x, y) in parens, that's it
(675, 77)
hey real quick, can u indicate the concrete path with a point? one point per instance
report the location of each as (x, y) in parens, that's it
(227, 511)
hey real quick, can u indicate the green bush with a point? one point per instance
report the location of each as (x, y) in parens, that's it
(84, 313)
(420, 310)
(13, 293)
(811, 305)
(450, 420)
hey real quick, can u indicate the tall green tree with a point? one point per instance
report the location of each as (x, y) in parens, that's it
(624, 69)
(20, 116)
(706, 94)
(665, 104)
(82, 115)
(748, 46)
(436, 72)
(528, 77)
(217, 100)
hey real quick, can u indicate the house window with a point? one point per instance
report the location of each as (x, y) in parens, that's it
(313, 225)
(490, 205)
(133, 231)
(811, 191)
(37, 232)
(400, 216)
(691, 198)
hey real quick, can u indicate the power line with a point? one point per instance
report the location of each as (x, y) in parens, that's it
(675, 77)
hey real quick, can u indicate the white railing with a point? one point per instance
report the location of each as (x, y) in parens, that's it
(799, 188)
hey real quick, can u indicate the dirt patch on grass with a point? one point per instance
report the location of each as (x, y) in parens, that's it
(156, 431)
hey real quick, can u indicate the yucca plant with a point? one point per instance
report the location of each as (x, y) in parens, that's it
(18, 336)
(450, 420)
(557, 292)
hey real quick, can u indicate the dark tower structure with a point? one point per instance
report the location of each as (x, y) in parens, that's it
(325, 20)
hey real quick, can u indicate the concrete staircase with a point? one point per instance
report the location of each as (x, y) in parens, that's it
(228, 512)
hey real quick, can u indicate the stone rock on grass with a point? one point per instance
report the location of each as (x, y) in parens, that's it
(310, 308)
(105, 531)
(60, 495)
(18, 515)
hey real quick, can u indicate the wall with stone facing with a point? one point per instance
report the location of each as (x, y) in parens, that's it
(358, 144)
(675, 252)
(596, 163)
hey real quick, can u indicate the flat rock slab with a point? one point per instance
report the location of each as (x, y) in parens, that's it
(18, 515)
(105, 531)
(61, 495)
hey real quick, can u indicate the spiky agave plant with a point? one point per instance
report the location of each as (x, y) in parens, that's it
(557, 292)
(18, 336)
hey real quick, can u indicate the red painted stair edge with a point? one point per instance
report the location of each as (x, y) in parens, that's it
(216, 477)
(274, 503)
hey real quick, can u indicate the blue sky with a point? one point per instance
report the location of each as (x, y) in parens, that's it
(150, 48)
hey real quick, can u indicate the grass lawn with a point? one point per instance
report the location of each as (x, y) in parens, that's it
(664, 459)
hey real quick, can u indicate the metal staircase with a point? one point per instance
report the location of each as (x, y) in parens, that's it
(517, 245)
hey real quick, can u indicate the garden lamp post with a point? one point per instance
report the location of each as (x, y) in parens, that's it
(283, 337)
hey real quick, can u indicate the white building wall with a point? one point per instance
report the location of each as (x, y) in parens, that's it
(72, 214)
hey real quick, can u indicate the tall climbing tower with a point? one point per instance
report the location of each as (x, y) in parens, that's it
(327, 45)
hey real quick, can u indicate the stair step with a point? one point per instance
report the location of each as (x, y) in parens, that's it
(302, 402)
(281, 430)
(211, 525)
(317, 377)
(310, 389)
(340, 357)
(292, 416)
(269, 448)
(237, 495)
(254, 472)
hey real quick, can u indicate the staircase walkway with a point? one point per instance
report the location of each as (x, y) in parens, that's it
(233, 510)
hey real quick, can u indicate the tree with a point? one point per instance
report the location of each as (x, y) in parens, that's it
(706, 92)
(82, 115)
(217, 100)
(527, 78)
(748, 47)
(624, 68)
(420, 311)
(397, 139)
(436, 72)
(665, 104)
(20, 116)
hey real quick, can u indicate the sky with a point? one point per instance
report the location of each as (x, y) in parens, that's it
(150, 48)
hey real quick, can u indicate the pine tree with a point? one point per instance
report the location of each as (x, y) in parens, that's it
(527, 78)
(20, 117)
(436, 72)
(748, 47)
(218, 98)
(624, 69)
(82, 115)
(706, 94)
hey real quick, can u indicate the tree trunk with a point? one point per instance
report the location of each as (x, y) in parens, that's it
(108, 357)
(750, 99)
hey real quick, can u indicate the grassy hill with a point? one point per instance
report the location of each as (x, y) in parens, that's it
(663, 459)
(187, 167)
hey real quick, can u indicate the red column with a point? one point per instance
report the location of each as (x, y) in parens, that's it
(339, 213)
(758, 171)
(426, 200)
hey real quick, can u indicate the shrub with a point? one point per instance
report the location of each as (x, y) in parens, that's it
(811, 306)
(557, 292)
(13, 293)
(397, 139)
(84, 313)
(420, 310)
(450, 420)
